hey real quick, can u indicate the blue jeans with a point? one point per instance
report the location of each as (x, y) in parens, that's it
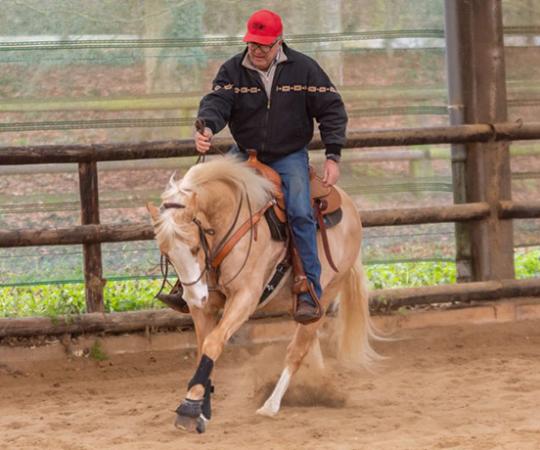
(294, 172)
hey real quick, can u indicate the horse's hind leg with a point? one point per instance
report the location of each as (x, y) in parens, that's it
(305, 338)
(315, 356)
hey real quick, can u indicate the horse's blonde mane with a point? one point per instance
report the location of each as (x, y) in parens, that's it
(198, 179)
(229, 170)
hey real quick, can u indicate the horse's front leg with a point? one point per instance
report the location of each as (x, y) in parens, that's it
(190, 414)
(204, 321)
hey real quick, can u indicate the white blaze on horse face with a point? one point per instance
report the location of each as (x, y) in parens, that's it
(188, 269)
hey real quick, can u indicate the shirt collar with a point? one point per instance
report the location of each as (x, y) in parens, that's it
(280, 57)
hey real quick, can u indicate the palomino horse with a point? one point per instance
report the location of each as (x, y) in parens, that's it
(196, 213)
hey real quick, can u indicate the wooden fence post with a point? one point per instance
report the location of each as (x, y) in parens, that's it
(488, 175)
(93, 270)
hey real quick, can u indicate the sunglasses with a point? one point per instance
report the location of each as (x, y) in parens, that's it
(263, 48)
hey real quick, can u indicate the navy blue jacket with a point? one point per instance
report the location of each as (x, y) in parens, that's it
(279, 125)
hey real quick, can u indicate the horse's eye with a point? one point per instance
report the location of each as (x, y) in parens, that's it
(195, 250)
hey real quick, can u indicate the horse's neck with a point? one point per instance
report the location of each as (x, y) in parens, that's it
(261, 254)
(220, 205)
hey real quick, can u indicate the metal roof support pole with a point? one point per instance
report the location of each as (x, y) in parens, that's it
(478, 79)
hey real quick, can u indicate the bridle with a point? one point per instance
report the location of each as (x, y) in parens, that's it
(214, 256)
(203, 232)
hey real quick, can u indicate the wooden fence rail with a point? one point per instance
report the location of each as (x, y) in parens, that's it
(48, 154)
(381, 300)
(92, 233)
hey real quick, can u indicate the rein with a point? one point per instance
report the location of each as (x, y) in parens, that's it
(200, 125)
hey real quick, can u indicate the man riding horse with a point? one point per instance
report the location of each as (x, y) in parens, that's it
(269, 96)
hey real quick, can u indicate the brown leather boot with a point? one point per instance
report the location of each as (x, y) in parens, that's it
(174, 299)
(307, 309)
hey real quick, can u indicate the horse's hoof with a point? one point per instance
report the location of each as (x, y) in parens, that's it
(190, 424)
(190, 408)
(265, 411)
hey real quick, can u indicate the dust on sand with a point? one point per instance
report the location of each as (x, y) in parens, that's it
(468, 387)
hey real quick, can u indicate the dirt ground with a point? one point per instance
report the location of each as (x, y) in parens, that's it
(468, 387)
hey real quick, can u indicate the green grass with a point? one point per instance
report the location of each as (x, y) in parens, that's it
(410, 274)
(64, 299)
(59, 299)
(414, 274)
(97, 353)
(527, 263)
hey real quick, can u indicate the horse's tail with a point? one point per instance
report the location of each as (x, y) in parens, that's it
(355, 326)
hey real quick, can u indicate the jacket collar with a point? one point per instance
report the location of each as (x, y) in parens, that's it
(288, 52)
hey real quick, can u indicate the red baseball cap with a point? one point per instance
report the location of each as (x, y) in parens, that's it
(263, 27)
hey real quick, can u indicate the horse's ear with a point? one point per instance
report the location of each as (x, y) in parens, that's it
(172, 181)
(153, 210)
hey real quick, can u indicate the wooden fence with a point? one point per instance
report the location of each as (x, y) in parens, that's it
(91, 233)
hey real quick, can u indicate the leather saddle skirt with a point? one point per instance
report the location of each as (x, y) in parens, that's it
(327, 196)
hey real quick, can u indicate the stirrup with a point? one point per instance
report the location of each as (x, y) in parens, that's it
(174, 299)
(305, 313)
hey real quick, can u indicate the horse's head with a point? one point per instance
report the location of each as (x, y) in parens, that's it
(181, 235)
(182, 226)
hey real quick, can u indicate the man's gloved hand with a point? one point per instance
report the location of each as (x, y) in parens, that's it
(202, 140)
(331, 172)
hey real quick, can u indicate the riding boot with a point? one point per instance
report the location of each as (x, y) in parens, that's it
(174, 299)
(306, 308)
